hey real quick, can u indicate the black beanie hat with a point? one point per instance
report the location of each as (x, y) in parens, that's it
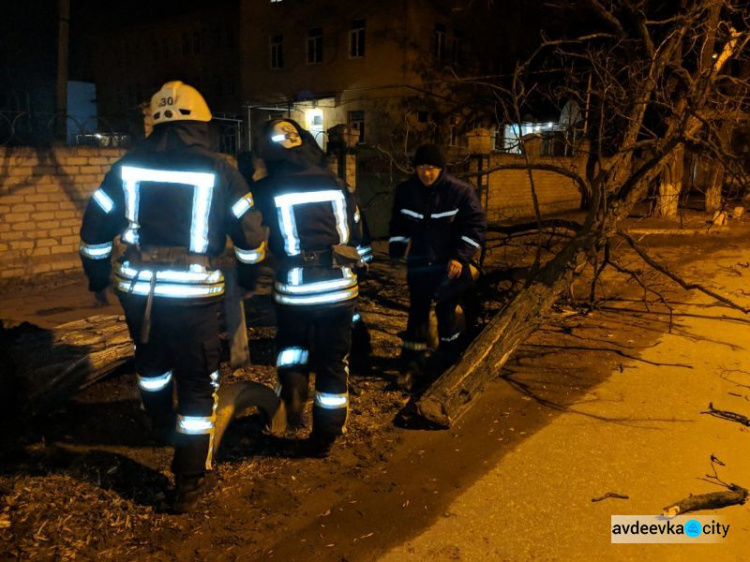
(429, 155)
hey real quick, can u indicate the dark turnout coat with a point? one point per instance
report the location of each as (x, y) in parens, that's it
(309, 213)
(172, 202)
(442, 222)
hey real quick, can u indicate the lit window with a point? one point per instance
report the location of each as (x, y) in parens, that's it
(440, 41)
(315, 46)
(277, 51)
(357, 39)
(356, 120)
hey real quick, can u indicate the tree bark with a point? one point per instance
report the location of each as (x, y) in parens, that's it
(716, 175)
(670, 185)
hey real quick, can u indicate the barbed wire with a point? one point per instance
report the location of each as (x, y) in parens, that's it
(28, 128)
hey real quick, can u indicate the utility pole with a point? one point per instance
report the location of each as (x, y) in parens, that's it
(62, 69)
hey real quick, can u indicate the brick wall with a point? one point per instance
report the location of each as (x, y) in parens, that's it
(509, 192)
(43, 193)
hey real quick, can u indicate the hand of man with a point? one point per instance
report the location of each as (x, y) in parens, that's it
(101, 298)
(455, 268)
(245, 293)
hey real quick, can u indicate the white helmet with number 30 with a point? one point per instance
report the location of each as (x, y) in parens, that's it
(176, 101)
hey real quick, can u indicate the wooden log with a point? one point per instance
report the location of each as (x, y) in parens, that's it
(451, 394)
(41, 368)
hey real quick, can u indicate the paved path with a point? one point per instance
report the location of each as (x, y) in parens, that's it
(640, 433)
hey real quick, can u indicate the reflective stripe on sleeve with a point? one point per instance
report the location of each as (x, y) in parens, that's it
(399, 240)
(451, 338)
(96, 251)
(251, 256)
(415, 345)
(104, 200)
(155, 384)
(471, 242)
(443, 215)
(410, 213)
(243, 205)
(331, 401)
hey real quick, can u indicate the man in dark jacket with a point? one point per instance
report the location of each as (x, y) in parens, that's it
(314, 231)
(441, 221)
(173, 202)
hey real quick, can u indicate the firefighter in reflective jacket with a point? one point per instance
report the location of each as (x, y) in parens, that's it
(441, 221)
(173, 202)
(314, 231)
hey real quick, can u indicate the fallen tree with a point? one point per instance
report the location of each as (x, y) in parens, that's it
(651, 90)
(41, 368)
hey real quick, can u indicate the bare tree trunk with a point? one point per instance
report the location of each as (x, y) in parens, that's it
(713, 190)
(716, 176)
(670, 185)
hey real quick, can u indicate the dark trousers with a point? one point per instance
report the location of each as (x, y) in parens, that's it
(182, 352)
(317, 338)
(428, 284)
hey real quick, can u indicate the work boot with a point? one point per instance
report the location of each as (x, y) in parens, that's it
(190, 490)
(320, 444)
(294, 389)
(295, 406)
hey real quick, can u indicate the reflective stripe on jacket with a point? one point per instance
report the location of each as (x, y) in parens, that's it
(184, 197)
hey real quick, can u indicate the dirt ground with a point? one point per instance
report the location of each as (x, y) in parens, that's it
(87, 482)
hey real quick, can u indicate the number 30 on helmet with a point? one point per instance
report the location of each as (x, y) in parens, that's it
(176, 101)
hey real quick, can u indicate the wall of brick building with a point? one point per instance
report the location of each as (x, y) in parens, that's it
(43, 193)
(506, 194)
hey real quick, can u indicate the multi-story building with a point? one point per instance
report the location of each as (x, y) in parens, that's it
(200, 47)
(377, 65)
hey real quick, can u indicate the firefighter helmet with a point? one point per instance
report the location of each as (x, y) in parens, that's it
(285, 134)
(176, 101)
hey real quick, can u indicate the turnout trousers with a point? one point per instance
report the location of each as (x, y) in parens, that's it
(182, 354)
(317, 338)
(428, 284)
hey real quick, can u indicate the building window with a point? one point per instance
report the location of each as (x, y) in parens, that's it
(196, 43)
(440, 41)
(356, 120)
(357, 39)
(315, 46)
(277, 51)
